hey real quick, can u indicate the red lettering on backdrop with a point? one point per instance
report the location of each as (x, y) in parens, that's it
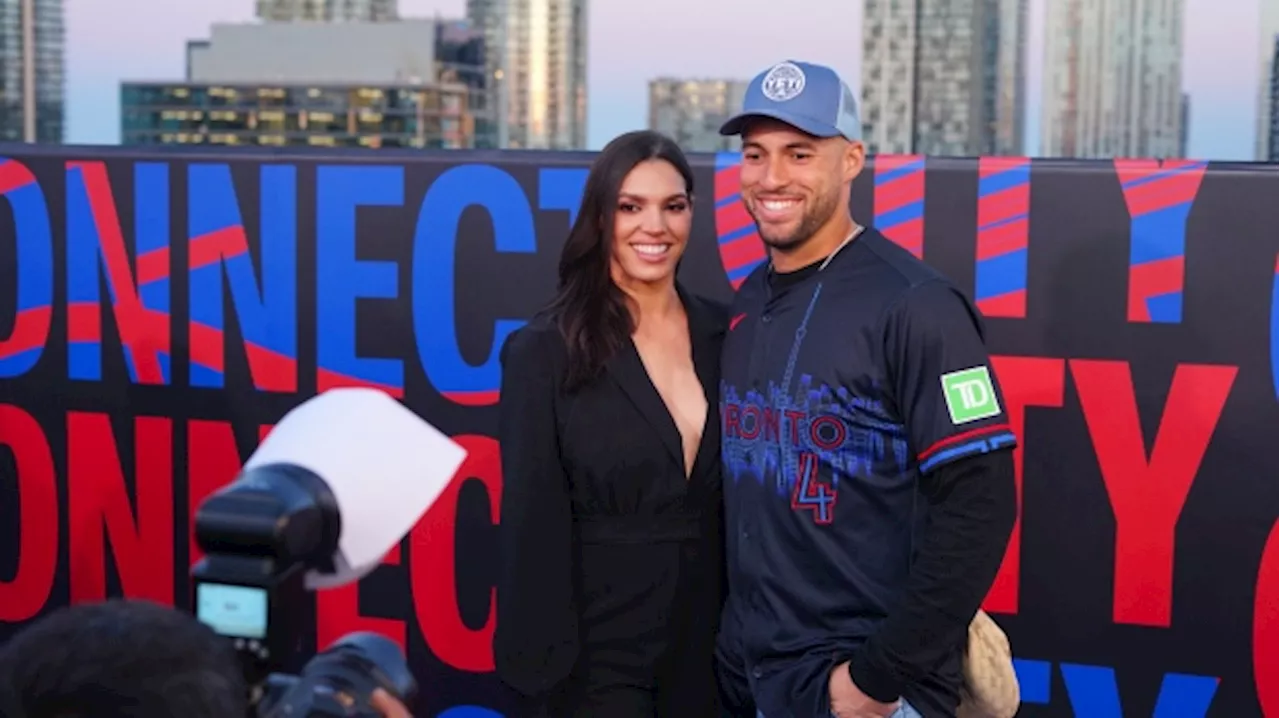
(24, 596)
(338, 613)
(1025, 382)
(1266, 630)
(432, 570)
(1147, 495)
(98, 503)
(213, 460)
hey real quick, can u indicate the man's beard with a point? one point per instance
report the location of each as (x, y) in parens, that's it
(821, 211)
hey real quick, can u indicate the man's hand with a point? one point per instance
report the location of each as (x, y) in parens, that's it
(847, 701)
(388, 706)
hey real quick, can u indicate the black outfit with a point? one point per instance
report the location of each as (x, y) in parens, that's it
(868, 481)
(611, 575)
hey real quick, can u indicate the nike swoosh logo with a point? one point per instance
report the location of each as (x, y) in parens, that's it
(734, 322)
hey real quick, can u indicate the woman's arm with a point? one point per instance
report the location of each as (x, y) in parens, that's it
(535, 642)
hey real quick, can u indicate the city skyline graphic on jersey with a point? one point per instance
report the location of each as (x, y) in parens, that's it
(765, 435)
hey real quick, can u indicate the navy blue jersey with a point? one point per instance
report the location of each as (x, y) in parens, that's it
(838, 393)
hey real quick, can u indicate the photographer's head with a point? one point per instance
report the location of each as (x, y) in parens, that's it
(117, 659)
(128, 659)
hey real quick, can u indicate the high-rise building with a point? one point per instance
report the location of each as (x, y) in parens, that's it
(292, 114)
(1274, 105)
(461, 55)
(1268, 41)
(1184, 129)
(489, 18)
(48, 71)
(1112, 79)
(402, 51)
(542, 72)
(327, 10)
(692, 111)
(409, 83)
(944, 77)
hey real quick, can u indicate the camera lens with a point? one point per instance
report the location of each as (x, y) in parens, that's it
(358, 663)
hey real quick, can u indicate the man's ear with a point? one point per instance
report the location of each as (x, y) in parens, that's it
(855, 158)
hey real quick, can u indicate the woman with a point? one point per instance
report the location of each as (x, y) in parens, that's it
(610, 581)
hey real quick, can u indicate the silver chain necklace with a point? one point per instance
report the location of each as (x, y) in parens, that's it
(857, 229)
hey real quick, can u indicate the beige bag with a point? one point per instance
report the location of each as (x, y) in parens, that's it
(990, 685)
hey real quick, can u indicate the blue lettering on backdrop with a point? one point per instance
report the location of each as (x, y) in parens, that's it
(434, 246)
(468, 712)
(1093, 693)
(33, 239)
(85, 254)
(151, 222)
(1034, 680)
(216, 236)
(341, 279)
(561, 188)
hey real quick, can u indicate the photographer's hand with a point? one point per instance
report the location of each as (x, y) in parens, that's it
(388, 706)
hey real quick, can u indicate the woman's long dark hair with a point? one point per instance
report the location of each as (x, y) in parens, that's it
(590, 310)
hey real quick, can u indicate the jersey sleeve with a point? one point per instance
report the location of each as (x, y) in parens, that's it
(941, 377)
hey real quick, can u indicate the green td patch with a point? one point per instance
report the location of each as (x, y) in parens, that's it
(970, 395)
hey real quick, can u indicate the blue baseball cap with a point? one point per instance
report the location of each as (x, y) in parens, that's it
(811, 98)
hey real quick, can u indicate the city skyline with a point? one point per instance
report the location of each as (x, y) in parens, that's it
(712, 38)
(944, 78)
(1113, 87)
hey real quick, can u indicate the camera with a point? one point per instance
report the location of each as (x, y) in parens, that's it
(336, 484)
(339, 681)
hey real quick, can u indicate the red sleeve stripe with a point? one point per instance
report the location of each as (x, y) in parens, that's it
(961, 437)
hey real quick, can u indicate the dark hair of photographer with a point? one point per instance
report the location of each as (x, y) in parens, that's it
(117, 659)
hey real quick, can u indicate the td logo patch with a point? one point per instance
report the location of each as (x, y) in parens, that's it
(970, 395)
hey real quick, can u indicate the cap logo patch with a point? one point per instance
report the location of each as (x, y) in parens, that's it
(784, 81)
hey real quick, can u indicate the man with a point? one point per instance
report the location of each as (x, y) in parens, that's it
(123, 658)
(868, 460)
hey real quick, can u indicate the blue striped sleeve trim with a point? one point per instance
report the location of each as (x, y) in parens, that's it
(983, 445)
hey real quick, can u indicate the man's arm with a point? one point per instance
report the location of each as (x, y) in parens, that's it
(972, 507)
(939, 372)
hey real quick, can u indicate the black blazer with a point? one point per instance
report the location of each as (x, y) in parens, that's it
(611, 569)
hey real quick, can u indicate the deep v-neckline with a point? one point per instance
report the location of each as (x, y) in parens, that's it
(629, 373)
(687, 464)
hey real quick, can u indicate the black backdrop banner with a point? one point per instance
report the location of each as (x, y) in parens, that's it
(159, 310)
